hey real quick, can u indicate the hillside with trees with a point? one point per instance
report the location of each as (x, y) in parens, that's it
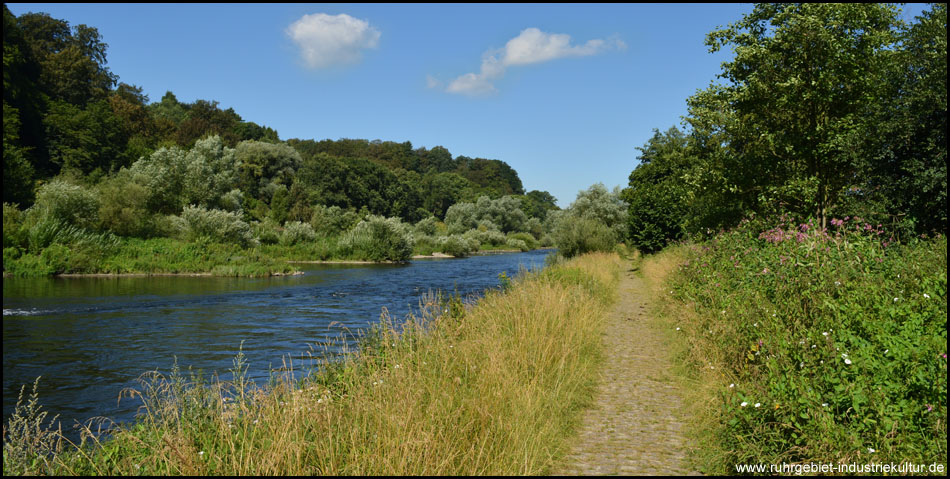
(89, 157)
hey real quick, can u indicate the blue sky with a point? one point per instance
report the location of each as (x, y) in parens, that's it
(562, 93)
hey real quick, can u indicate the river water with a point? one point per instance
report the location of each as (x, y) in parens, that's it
(89, 338)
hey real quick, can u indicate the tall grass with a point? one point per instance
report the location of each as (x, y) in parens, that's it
(492, 388)
(804, 345)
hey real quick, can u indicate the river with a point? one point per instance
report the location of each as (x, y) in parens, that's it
(89, 338)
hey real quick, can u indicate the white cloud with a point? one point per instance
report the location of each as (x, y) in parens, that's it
(530, 46)
(327, 40)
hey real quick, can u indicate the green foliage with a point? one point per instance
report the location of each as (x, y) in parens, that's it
(216, 225)
(68, 203)
(657, 196)
(296, 232)
(575, 235)
(379, 239)
(332, 220)
(260, 163)
(833, 343)
(606, 207)
(457, 245)
(528, 241)
(503, 213)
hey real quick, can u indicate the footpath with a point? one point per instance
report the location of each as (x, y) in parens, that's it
(632, 429)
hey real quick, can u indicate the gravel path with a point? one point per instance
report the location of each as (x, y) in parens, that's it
(632, 428)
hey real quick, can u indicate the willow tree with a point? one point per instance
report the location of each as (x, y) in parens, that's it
(802, 79)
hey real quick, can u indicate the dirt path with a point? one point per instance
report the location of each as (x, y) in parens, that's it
(632, 428)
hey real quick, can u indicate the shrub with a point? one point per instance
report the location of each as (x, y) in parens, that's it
(124, 210)
(517, 244)
(379, 239)
(267, 231)
(457, 245)
(296, 232)
(216, 225)
(527, 238)
(13, 231)
(71, 204)
(490, 237)
(427, 226)
(332, 220)
(575, 235)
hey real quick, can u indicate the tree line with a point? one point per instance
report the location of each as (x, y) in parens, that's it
(825, 111)
(69, 120)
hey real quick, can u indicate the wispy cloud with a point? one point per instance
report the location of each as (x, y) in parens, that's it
(328, 40)
(530, 46)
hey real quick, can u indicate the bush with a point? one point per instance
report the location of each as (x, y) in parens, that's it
(296, 232)
(71, 204)
(123, 208)
(490, 237)
(379, 239)
(575, 235)
(332, 220)
(216, 225)
(517, 244)
(267, 231)
(457, 245)
(526, 238)
(13, 231)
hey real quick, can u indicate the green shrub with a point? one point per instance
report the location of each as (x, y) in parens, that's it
(379, 239)
(332, 220)
(266, 231)
(517, 244)
(13, 230)
(216, 225)
(296, 232)
(575, 235)
(123, 209)
(457, 245)
(71, 204)
(527, 238)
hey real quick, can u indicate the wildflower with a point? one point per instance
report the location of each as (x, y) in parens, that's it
(677, 329)
(886, 350)
(871, 451)
(732, 385)
(202, 453)
(929, 408)
(926, 295)
(895, 300)
(744, 404)
(824, 404)
(824, 333)
(758, 404)
(847, 361)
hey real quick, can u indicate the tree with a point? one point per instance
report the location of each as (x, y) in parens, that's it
(801, 79)
(657, 193)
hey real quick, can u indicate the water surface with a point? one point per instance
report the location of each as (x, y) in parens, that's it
(89, 338)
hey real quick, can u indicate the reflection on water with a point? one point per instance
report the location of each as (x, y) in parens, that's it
(91, 337)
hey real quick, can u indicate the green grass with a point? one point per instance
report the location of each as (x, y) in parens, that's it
(149, 256)
(491, 388)
(805, 346)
